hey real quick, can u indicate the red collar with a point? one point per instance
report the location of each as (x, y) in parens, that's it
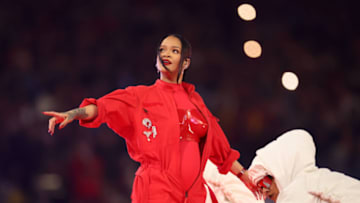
(189, 88)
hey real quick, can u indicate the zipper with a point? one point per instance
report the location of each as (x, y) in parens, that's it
(186, 197)
(201, 152)
(196, 179)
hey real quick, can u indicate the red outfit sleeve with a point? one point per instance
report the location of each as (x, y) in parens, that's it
(116, 109)
(222, 154)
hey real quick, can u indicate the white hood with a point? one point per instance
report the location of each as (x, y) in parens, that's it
(286, 157)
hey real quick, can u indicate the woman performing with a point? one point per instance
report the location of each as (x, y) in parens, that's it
(167, 128)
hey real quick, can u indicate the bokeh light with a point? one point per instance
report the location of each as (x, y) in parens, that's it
(252, 49)
(49, 182)
(246, 12)
(290, 81)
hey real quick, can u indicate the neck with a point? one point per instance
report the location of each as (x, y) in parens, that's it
(171, 78)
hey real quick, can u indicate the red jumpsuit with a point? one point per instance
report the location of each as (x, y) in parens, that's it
(147, 118)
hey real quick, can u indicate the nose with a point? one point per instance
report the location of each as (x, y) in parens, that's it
(165, 53)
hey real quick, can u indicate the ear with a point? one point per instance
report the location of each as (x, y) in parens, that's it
(186, 63)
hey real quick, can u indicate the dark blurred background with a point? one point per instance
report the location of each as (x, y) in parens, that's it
(55, 53)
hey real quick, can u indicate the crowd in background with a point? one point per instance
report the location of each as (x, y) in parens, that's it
(55, 53)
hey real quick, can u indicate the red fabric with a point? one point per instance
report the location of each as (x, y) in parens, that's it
(189, 162)
(212, 194)
(193, 125)
(146, 117)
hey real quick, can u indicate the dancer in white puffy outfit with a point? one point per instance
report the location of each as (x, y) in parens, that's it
(227, 188)
(290, 161)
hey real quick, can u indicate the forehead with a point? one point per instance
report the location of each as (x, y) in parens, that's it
(171, 41)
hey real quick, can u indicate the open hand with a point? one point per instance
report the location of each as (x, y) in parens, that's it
(63, 118)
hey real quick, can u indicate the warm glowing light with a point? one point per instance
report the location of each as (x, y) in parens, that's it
(246, 12)
(252, 49)
(290, 81)
(49, 182)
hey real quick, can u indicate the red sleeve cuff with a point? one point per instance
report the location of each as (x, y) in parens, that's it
(226, 166)
(99, 119)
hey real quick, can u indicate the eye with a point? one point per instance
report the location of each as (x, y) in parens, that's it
(176, 51)
(161, 49)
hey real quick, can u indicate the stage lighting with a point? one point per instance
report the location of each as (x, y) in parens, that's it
(246, 12)
(252, 49)
(290, 81)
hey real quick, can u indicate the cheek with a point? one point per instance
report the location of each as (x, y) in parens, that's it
(177, 61)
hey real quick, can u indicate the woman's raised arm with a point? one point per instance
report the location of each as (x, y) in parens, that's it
(88, 112)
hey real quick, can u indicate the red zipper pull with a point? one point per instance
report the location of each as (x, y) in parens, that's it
(186, 197)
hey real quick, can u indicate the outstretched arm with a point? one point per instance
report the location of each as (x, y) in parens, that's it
(88, 112)
(238, 170)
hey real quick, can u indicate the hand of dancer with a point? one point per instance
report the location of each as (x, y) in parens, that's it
(265, 186)
(243, 176)
(63, 118)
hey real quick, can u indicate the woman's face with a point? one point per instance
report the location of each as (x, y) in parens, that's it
(170, 53)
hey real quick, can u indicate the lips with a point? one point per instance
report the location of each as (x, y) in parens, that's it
(166, 62)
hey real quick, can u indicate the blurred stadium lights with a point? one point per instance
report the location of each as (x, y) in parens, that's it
(252, 49)
(49, 182)
(246, 12)
(290, 81)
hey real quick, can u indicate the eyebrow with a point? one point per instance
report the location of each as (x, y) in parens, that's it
(171, 46)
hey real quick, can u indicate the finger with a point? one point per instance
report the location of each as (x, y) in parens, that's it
(51, 113)
(59, 116)
(52, 123)
(59, 119)
(255, 194)
(263, 192)
(64, 123)
(261, 197)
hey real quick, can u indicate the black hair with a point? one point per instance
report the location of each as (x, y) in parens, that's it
(186, 51)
